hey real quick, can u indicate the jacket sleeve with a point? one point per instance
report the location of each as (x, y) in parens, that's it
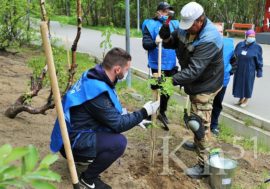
(103, 110)
(201, 58)
(259, 62)
(148, 42)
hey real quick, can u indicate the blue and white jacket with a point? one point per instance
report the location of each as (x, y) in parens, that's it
(150, 29)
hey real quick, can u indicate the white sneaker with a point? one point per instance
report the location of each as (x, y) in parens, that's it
(243, 105)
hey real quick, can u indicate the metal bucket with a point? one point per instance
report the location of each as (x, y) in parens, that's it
(221, 172)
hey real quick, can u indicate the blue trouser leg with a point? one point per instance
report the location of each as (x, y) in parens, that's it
(109, 147)
(217, 108)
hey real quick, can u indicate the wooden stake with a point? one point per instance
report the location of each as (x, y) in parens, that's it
(57, 98)
(156, 96)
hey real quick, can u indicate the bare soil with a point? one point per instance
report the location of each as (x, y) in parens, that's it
(132, 170)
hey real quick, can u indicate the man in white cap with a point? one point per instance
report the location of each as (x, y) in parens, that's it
(198, 47)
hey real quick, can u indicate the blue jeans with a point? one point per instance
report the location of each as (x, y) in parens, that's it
(217, 108)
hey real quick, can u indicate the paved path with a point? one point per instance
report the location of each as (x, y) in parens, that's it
(90, 40)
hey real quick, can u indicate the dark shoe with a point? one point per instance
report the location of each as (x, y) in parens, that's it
(196, 172)
(191, 146)
(215, 132)
(95, 183)
(162, 119)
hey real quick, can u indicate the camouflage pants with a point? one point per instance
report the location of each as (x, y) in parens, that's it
(202, 105)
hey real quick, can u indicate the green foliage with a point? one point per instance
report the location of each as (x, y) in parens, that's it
(248, 122)
(166, 85)
(107, 42)
(153, 126)
(15, 27)
(104, 12)
(19, 168)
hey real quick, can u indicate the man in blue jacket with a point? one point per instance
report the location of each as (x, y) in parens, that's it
(229, 68)
(150, 29)
(95, 119)
(198, 47)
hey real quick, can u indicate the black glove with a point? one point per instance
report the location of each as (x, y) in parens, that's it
(164, 32)
(158, 83)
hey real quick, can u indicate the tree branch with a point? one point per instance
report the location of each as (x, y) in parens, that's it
(73, 66)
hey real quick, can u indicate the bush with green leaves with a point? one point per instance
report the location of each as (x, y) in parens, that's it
(164, 83)
(15, 27)
(20, 167)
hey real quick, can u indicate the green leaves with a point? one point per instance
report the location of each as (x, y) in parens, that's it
(19, 168)
(47, 161)
(165, 84)
(15, 154)
(42, 185)
(15, 27)
(107, 42)
(44, 174)
(30, 160)
(4, 151)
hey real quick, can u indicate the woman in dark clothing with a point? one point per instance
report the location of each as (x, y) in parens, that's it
(249, 63)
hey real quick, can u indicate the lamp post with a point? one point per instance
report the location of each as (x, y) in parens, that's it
(128, 40)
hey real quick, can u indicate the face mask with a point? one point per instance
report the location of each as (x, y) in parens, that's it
(163, 18)
(124, 77)
(250, 40)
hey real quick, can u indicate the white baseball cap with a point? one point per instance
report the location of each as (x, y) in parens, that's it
(189, 13)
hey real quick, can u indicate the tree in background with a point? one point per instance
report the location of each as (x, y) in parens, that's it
(104, 12)
(14, 14)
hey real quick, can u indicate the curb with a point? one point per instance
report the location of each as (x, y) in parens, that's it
(244, 115)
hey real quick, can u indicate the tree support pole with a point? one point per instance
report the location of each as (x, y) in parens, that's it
(156, 96)
(57, 98)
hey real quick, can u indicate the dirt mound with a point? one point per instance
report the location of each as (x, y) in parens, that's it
(132, 170)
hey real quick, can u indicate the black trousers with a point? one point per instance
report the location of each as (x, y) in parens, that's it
(109, 147)
(217, 108)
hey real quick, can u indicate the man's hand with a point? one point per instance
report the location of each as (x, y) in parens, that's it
(259, 74)
(164, 32)
(144, 123)
(151, 107)
(158, 40)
